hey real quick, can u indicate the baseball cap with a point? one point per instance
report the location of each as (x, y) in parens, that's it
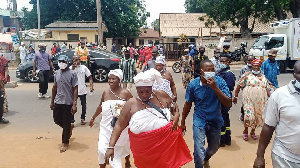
(63, 58)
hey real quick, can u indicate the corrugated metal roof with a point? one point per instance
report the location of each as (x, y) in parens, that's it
(75, 24)
(148, 33)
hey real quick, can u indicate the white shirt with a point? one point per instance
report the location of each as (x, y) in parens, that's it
(283, 112)
(22, 52)
(82, 72)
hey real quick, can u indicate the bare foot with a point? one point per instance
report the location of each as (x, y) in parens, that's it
(64, 147)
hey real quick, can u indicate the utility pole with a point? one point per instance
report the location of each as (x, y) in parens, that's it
(99, 22)
(39, 18)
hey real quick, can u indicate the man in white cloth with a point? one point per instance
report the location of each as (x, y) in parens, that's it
(155, 138)
(282, 114)
(111, 104)
(23, 52)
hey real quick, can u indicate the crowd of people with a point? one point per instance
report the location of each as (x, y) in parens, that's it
(149, 125)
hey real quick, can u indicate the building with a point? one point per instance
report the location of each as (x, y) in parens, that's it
(10, 21)
(75, 30)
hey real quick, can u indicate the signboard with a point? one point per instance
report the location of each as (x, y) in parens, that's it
(222, 39)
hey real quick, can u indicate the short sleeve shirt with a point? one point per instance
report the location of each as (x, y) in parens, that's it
(65, 82)
(82, 72)
(207, 104)
(42, 60)
(271, 70)
(282, 111)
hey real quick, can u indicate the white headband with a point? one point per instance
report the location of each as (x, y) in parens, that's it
(160, 60)
(147, 78)
(117, 72)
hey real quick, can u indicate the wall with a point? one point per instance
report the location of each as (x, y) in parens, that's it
(63, 35)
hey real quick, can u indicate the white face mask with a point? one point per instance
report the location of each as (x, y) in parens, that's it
(62, 65)
(255, 72)
(208, 75)
(249, 65)
(150, 45)
(297, 84)
(223, 66)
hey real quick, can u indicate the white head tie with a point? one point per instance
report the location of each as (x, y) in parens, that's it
(160, 60)
(117, 72)
(147, 78)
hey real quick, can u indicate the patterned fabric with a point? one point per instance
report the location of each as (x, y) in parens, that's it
(165, 86)
(254, 98)
(216, 63)
(271, 70)
(3, 64)
(186, 70)
(128, 68)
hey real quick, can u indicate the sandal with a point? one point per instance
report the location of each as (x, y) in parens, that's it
(253, 136)
(64, 147)
(245, 137)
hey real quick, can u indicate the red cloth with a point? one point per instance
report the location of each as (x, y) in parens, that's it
(148, 53)
(160, 148)
(3, 64)
(256, 62)
(53, 51)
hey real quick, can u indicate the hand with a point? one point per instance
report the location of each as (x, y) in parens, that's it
(74, 109)
(183, 127)
(109, 154)
(234, 100)
(212, 83)
(5, 81)
(53, 71)
(33, 73)
(91, 124)
(52, 106)
(259, 162)
(175, 120)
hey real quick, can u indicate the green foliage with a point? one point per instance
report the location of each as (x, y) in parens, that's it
(123, 18)
(155, 25)
(194, 6)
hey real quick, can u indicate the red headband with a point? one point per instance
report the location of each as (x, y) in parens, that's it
(256, 62)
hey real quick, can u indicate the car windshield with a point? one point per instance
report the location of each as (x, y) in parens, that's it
(260, 42)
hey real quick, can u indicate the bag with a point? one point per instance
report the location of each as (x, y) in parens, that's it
(118, 109)
(157, 108)
(40, 76)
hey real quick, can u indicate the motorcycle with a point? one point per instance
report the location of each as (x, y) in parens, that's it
(239, 53)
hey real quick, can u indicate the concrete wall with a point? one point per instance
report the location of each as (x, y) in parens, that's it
(63, 35)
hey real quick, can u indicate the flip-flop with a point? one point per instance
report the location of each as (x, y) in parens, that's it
(253, 136)
(245, 137)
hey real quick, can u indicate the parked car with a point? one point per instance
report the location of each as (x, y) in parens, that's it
(101, 63)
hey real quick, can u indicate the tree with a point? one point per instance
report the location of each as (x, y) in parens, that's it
(155, 25)
(123, 18)
(194, 6)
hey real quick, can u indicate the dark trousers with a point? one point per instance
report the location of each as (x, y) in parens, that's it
(1, 104)
(225, 129)
(83, 107)
(44, 85)
(62, 116)
(242, 111)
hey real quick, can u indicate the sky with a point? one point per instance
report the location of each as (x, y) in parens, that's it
(153, 6)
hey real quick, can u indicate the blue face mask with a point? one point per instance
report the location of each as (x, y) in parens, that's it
(208, 75)
(150, 45)
(223, 66)
(255, 72)
(297, 84)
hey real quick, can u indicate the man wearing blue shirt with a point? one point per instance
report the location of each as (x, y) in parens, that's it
(271, 68)
(208, 92)
(229, 77)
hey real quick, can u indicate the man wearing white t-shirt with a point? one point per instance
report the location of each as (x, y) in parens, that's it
(282, 114)
(82, 72)
(23, 52)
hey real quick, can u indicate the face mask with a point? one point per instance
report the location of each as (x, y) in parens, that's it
(208, 75)
(297, 84)
(150, 45)
(217, 55)
(255, 72)
(62, 65)
(223, 66)
(249, 65)
(201, 51)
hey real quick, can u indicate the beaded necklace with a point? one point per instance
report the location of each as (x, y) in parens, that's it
(143, 103)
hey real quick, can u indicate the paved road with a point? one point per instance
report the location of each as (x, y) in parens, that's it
(32, 139)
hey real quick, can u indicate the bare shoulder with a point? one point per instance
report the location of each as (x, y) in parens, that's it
(168, 75)
(127, 93)
(105, 94)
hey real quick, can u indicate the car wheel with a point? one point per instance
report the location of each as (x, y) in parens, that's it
(282, 67)
(100, 74)
(30, 77)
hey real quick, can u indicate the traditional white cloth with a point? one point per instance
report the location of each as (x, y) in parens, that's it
(165, 86)
(148, 119)
(160, 60)
(117, 72)
(122, 147)
(147, 78)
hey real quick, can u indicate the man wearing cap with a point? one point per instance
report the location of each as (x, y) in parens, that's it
(270, 68)
(23, 52)
(216, 59)
(64, 99)
(42, 63)
(83, 53)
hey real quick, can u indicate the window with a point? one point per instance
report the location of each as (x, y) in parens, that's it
(156, 42)
(73, 36)
(275, 42)
(141, 42)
